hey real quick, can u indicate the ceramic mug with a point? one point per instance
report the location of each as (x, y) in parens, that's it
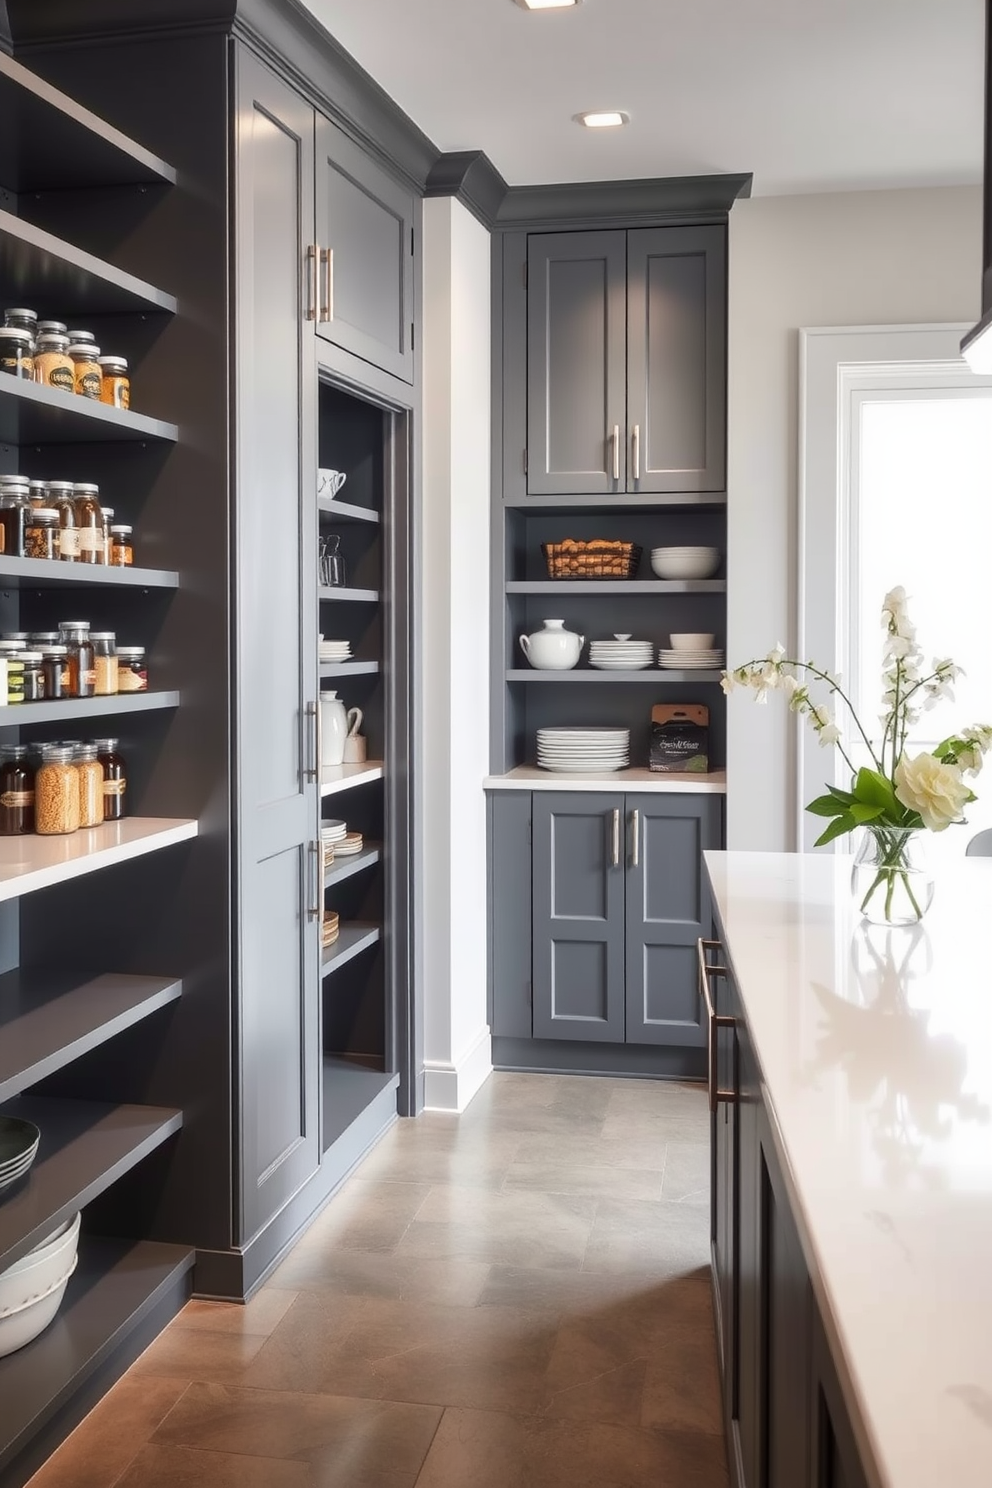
(329, 482)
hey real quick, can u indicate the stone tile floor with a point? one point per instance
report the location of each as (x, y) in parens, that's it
(517, 1297)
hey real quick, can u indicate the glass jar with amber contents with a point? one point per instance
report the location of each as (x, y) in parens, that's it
(53, 366)
(16, 353)
(15, 508)
(87, 376)
(132, 674)
(82, 670)
(59, 495)
(115, 387)
(107, 513)
(89, 522)
(121, 546)
(114, 779)
(55, 666)
(16, 791)
(104, 662)
(56, 792)
(41, 533)
(90, 772)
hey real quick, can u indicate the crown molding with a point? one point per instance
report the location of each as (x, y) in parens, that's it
(471, 177)
(662, 199)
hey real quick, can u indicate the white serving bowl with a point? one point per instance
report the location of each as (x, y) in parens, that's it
(40, 1269)
(692, 641)
(19, 1325)
(669, 563)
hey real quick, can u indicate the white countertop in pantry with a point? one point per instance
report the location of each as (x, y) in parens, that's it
(529, 777)
(29, 863)
(876, 1052)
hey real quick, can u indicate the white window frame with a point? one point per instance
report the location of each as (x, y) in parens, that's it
(839, 368)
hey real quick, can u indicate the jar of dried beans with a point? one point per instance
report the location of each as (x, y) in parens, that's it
(90, 773)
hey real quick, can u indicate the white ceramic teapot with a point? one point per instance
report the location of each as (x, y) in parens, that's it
(553, 649)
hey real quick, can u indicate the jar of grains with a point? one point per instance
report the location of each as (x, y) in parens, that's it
(114, 779)
(104, 662)
(53, 366)
(132, 674)
(87, 376)
(55, 665)
(16, 353)
(89, 522)
(41, 533)
(90, 772)
(115, 383)
(16, 791)
(121, 546)
(60, 496)
(56, 792)
(34, 676)
(82, 669)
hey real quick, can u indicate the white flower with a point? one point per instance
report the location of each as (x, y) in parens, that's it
(970, 759)
(980, 734)
(937, 791)
(788, 685)
(829, 734)
(728, 682)
(776, 655)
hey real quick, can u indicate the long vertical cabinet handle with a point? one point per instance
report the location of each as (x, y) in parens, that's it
(327, 302)
(635, 845)
(311, 281)
(616, 452)
(714, 1021)
(316, 907)
(637, 452)
(616, 838)
(311, 770)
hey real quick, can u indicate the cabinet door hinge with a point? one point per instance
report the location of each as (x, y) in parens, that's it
(525, 462)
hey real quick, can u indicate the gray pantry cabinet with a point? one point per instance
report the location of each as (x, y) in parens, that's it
(786, 1421)
(626, 361)
(599, 946)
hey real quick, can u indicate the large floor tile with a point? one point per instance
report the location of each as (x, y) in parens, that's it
(182, 1467)
(575, 1294)
(687, 1173)
(662, 1239)
(367, 1273)
(112, 1434)
(365, 1215)
(488, 1450)
(358, 1443)
(260, 1315)
(593, 1181)
(477, 1158)
(509, 1229)
(199, 1354)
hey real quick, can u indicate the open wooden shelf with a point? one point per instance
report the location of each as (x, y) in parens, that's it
(50, 1018)
(345, 511)
(31, 863)
(343, 868)
(47, 573)
(85, 1147)
(355, 937)
(53, 276)
(32, 414)
(121, 703)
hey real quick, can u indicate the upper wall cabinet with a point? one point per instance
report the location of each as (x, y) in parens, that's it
(626, 361)
(365, 222)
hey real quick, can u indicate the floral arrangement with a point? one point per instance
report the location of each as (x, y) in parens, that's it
(896, 793)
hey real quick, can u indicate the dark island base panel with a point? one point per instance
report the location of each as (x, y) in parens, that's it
(227, 1275)
(565, 1056)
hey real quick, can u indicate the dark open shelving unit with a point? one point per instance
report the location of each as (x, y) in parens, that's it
(47, 273)
(352, 940)
(32, 414)
(44, 573)
(73, 710)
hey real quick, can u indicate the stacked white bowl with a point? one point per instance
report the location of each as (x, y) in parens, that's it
(691, 651)
(33, 1287)
(622, 654)
(685, 562)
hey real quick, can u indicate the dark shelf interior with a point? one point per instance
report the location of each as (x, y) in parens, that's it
(43, 573)
(52, 276)
(349, 1087)
(71, 709)
(353, 939)
(32, 414)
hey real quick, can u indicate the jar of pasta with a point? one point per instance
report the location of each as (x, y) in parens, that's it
(105, 662)
(53, 366)
(87, 376)
(115, 387)
(41, 533)
(121, 546)
(132, 674)
(90, 772)
(16, 353)
(16, 791)
(56, 792)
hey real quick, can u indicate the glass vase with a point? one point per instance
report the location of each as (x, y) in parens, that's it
(890, 880)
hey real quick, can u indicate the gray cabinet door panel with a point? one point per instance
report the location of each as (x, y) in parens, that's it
(667, 910)
(510, 914)
(677, 358)
(576, 375)
(578, 897)
(275, 536)
(786, 1312)
(365, 220)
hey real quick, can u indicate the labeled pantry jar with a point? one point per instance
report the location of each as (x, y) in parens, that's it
(82, 669)
(87, 376)
(16, 791)
(89, 521)
(60, 496)
(34, 676)
(114, 779)
(53, 366)
(115, 385)
(132, 674)
(56, 792)
(16, 353)
(41, 533)
(121, 546)
(107, 514)
(90, 773)
(15, 507)
(55, 666)
(104, 662)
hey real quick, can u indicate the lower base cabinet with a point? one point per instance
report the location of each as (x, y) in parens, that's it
(786, 1422)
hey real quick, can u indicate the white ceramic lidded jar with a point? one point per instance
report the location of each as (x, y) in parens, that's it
(333, 729)
(553, 649)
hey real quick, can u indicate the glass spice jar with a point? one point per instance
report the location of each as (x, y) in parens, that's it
(132, 675)
(53, 328)
(41, 533)
(90, 773)
(87, 376)
(82, 670)
(115, 386)
(16, 791)
(114, 779)
(56, 792)
(53, 366)
(104, 662)
(121, 546)
(89, 521)
(39, 639)
(55, 665)
(59, 496)
(22, 320)
(81, 338)
(107, 514)
(38, 493)
(15, 507)
(15, 680)
(16, 353)
(34, 676)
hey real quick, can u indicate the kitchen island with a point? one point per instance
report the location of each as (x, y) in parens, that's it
(852, 1166)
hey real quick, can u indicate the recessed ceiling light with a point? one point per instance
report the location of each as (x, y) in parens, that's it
(546, 4)
(608, 120)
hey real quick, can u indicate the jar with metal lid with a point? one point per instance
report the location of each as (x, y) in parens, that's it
(61, 498)
(53, 327)
(82, 671)
(41, 533)
(104, 662)
(16, 353)
(115, 385)
(89, 521)
(87, 374)
(132, 674)
(53, 366)
(39, 639)
(81, 338)
(55, 666)
(107, 513)
(114, 779)
(34, 677)
(15, 679)
(16, 791)
(13, 641)
(56, 793)
(38, 493)
(90, 773)
(15, 507)
(22, 320)
(121, 546)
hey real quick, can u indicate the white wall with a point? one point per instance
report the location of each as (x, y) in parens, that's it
(455, 598)
(856, 258)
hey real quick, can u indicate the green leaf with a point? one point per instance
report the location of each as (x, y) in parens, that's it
(872, 789)
(864, 814)
(840, 795)
(826, 806)
(845, 823)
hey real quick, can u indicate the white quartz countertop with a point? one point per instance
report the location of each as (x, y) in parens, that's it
(876, 1052)
(529, 777)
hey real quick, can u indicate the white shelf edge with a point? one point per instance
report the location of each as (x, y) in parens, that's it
(530, 777)
(344, 777)
(31, 863)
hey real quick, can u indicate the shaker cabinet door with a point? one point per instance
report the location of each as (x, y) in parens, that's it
(365, 222)
(576, 395)
(276, 626)
(676, 359)
(578, 889)
(668, 909)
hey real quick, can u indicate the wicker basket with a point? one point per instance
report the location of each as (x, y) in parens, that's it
(601, 558)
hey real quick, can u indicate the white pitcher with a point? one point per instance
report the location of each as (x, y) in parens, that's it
(333, 729)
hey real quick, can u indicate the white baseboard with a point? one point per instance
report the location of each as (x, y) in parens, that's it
(450, 1085)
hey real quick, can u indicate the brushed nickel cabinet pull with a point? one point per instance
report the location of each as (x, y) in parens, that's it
(316, 908)
(616, 452)
(327, 308)
(714, 1022)
(637, 452)
(616, 837)
(312, 768)
(635, 853)
(311, 281)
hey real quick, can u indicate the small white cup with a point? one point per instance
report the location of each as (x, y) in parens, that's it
(355, 749)
(329, 482)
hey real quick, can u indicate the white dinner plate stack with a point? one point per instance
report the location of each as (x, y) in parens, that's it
(577, 750)
(349, 845)
(334, 651)
(622, 654)
(691, 661)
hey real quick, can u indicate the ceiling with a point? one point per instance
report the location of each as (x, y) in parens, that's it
(810, 95)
